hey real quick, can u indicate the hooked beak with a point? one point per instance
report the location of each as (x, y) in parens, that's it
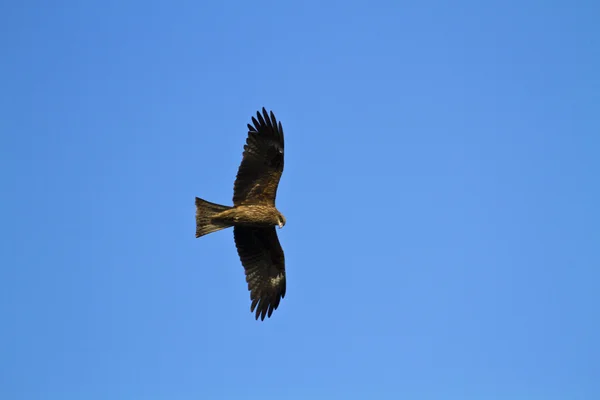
(280, 224)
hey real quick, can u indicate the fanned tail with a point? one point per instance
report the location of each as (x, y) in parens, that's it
(205, 211)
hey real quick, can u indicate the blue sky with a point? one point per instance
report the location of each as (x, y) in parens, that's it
(440, 188)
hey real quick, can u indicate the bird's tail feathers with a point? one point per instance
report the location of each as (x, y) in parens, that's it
(205, 211)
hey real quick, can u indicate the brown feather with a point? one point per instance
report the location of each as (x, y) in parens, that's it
(205, 213)
(262, 162)
(253, 215)
(264, 263)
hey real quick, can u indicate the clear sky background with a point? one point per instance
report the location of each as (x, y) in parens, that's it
(441, 187)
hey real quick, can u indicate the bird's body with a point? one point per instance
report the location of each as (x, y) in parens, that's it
(254, 215)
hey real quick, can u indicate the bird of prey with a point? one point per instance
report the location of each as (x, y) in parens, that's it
(254, 215)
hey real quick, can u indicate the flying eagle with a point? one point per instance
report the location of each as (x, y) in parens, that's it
(253, 215)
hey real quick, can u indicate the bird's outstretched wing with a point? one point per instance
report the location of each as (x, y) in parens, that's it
(262, 163)
(264, 264)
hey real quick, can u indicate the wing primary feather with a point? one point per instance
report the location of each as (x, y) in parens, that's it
(263, 313)
(267, 119)
(260, 119)
(281, 133)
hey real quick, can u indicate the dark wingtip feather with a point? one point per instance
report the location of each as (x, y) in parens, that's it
(267, 118)
(273, 121)
(264, 312)
(263, 308)
(260, 118)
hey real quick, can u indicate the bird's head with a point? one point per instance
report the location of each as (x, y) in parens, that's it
(280, 220)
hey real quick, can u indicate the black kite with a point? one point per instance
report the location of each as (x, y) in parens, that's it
(253, 215)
